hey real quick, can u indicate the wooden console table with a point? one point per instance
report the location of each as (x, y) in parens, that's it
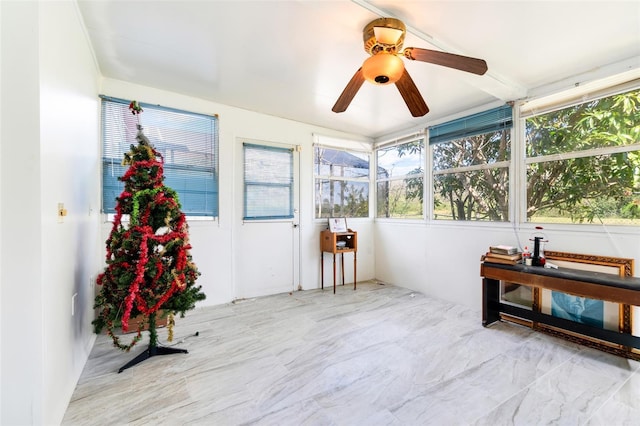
(338, 243)
(594, 285)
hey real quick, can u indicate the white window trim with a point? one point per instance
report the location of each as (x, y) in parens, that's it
(583, 153)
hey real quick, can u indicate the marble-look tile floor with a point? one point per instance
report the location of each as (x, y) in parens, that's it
(380, 355)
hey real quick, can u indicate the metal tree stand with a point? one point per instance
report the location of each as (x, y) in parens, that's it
(153, 348)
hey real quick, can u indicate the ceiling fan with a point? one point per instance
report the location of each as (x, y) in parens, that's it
(383, 39)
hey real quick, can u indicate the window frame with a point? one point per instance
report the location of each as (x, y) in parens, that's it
(320, 178)
(558, 102)
(517, 185)
(492, 120)
(417, 137)
(245, 183)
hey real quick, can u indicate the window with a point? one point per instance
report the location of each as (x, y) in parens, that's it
(400, 180)
(583, 161)
(268, 182)
(188, 143)
(471, 159)
(341, 182)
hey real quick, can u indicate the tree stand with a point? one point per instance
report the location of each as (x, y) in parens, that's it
(153, 348)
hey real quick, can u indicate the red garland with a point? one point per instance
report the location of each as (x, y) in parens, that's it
(177, 284)
(135, 285)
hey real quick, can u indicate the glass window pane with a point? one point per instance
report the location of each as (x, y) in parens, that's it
(400, 160)
(481, 149)
(605, 122)
(480, 195)
(337, 163)
(341, 183)
(602, 189)
(340, 198)
(574, 186)
(400, 180)
(473, 194)
(400, 198)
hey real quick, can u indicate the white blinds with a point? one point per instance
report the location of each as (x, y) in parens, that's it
(187, 141)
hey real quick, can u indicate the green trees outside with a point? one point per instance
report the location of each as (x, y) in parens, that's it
(477, 193)
(350, 199)
(577, 182)
(402, 197)
(569, 177)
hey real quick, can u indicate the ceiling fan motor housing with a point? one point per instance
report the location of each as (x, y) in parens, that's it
(373, 45)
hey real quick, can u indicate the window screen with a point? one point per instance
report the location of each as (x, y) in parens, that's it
(187, 141)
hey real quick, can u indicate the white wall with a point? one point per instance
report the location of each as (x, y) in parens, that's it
(70, 174)
(211, 241)
(50, 153)
(443, 260)
(20, 272)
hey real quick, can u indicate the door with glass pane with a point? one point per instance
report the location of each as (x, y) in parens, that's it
(267, 238)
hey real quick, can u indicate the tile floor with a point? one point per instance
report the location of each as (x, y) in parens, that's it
(382, 355)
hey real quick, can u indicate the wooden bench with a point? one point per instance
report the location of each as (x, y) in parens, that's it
(621, 291)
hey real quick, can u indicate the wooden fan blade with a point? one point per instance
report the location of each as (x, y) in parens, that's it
(411, 95)
(451, 60)
(349, 92)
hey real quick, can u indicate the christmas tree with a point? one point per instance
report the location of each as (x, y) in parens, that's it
(149, 267)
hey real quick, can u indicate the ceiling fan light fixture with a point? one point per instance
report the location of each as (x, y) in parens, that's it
(386, 35)
(383, 40)
(383, 68)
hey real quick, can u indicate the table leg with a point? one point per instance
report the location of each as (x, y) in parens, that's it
(334, 273)
(342, 270)
(321, 270)
(354, 269)
(490, 298)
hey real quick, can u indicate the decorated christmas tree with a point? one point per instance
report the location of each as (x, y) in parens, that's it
(149, 268)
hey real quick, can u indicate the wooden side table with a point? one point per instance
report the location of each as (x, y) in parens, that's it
(338, 243)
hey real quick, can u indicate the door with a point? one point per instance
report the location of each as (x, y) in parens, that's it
(266, 240)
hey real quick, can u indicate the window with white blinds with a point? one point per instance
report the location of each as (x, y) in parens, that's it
(471, 159)
(188, 143)
(268, 182)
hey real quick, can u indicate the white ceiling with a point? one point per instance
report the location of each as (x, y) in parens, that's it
(292, 58)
